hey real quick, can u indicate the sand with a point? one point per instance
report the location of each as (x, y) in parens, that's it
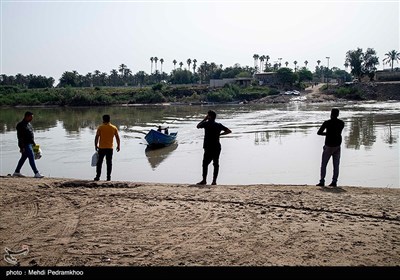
(67, 222)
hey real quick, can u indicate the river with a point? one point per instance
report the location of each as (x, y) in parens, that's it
(269, 143)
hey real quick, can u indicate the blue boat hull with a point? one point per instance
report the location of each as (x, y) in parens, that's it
(155, 138)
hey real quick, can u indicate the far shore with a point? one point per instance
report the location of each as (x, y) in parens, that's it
(125, 96)
(70, 222)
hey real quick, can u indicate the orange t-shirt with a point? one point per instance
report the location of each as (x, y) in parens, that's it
(106, 133)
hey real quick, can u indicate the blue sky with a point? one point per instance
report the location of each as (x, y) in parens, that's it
(50, 37)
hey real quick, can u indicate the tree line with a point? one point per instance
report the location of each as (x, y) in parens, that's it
(361, 64)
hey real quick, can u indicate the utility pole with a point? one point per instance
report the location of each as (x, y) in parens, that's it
(327, 72)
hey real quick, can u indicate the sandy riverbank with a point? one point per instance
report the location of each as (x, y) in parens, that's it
(66, 222)
(312, 94)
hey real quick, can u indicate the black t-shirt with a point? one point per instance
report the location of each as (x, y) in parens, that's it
(334, 129)
(212, 131)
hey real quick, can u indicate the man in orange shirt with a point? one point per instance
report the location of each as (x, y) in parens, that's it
(103, 143)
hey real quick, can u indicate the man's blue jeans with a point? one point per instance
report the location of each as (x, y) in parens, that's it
(27, 154)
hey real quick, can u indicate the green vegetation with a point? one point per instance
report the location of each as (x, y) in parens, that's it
(97, 96)
(362, 64)
(350, 93)
(391, 57)
(185, 85)
(13, 96)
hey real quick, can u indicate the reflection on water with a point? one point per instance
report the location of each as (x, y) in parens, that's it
(261, 137)
(388, 136)
(156, 155)
(361, 133)
(270, 143)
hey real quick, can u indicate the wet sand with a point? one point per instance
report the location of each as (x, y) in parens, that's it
(67, 222)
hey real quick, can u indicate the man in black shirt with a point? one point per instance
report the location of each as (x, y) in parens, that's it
(211, 144)
(333, 140)
(25, 143)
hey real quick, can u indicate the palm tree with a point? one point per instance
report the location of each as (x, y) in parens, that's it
(305, 63)
(103, 79)
(189, 61)
(194, 65)
(266, 63)
(88, 77)
(286, 63)
(391, 57)
(114, 78)
(174, 62)
(141, 76)
(151, 69)
(318, 61)
(127, 72)
(295, 63)
(128, 76)
(181, 64)
(155, 61)
(161, 61)
(122, 68)
(262, 58)
(255, 56)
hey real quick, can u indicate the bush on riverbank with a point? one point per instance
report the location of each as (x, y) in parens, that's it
(13, 96)
(350, 93)
(367, 91)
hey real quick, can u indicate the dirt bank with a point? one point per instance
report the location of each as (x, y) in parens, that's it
(68, 222)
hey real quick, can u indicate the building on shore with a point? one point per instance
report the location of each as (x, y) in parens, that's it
(387, 75)
(266, 78)
(237, 81)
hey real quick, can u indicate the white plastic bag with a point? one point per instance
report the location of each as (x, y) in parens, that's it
(95, 158)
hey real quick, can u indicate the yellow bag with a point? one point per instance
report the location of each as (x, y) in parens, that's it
(37, 151)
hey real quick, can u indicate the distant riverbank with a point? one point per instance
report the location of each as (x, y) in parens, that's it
(198, 95)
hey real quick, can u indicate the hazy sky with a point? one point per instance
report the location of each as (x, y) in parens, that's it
(50, 37)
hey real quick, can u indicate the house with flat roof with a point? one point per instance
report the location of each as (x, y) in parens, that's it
(266, 78)
(387, 75)
(237, 81)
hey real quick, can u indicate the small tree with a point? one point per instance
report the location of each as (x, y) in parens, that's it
(370, 63)
(304, 75)
(362, 63)
(285, 76)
